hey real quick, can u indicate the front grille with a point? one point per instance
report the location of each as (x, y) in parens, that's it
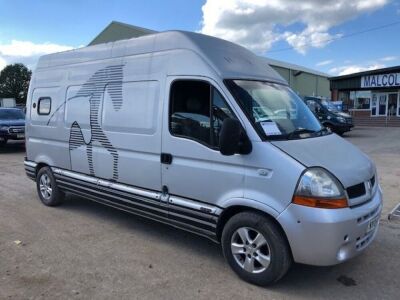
(359, 190)
(356, 190)
(16, 130)
(372, 181)
(368, 216)
(363, 241)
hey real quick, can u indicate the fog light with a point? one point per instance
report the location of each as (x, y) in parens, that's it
(344, 252)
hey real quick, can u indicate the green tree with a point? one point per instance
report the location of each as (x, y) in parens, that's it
(14, 82)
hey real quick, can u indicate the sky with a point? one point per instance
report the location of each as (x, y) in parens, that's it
(332, 36)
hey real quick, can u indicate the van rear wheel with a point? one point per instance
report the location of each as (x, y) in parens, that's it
(48, 192)
(255, 248)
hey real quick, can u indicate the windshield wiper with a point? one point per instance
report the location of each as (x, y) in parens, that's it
(298, 132)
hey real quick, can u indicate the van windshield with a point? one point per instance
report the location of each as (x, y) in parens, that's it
(275, 110)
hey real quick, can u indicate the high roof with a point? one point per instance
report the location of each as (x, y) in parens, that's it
(120, 31)
(227, 59)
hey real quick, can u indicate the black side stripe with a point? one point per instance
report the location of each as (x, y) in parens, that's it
(197, 221)
(30, 172)
(206, 233)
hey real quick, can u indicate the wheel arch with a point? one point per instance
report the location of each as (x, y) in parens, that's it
(43, 161)
(40, 166)
(232, 210)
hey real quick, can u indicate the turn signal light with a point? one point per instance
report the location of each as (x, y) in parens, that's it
(320, 202)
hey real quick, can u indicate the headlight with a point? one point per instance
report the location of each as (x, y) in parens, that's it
(318, 188)
(341, 120)
(5, 128)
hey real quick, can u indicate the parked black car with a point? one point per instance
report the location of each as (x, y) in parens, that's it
(329, 116)
(12, 125)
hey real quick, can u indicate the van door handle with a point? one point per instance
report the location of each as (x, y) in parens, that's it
(166, 158)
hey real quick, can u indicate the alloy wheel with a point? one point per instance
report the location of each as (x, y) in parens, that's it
(45, 186)
(250, 250)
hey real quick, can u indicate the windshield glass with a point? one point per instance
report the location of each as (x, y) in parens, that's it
(329, 106)
(275, 110)
(11, 114)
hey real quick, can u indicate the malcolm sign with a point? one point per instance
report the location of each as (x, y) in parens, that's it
(380, 80)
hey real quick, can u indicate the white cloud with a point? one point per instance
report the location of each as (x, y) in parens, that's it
(257, 24)
(389, 58)
(349, 69)
(324, 63)
(27, 52)
(3, 63)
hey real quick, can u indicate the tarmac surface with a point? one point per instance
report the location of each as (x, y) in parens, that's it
(83, 250)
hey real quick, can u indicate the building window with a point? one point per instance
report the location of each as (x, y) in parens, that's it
(360, 99)
(393, 104)
(344, 97)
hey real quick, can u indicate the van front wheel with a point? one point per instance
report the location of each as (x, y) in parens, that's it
(255, 248)
(48, 192)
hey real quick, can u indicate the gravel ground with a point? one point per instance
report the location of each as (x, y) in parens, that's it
(83, 250)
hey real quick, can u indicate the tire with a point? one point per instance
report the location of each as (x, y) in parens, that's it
(275, 246)
(3, 142)
(47, 189)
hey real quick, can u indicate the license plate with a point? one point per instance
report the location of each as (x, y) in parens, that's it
(20, 136)
(372, 224)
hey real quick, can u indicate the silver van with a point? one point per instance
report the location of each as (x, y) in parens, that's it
(201, 134)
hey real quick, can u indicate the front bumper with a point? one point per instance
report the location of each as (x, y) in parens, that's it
(12, 136)
(343, 127)
(324, 237)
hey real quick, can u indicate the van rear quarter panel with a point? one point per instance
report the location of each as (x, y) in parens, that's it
(45, 137)
(131, 128)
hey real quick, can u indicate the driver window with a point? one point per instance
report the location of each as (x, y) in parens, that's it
(197, 111)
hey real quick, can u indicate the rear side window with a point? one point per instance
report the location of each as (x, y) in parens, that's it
(44, 106)
(197, 111)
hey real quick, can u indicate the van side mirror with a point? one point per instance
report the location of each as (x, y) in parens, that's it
(233, 139)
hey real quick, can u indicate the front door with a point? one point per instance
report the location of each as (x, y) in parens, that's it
(195, 174)
(393, 104)
(379, 104)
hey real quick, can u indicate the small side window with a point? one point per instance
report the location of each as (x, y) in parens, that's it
(44, 106)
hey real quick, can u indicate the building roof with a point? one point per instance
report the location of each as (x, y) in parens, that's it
(119, 31)
(370, 72)
(282, 64)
